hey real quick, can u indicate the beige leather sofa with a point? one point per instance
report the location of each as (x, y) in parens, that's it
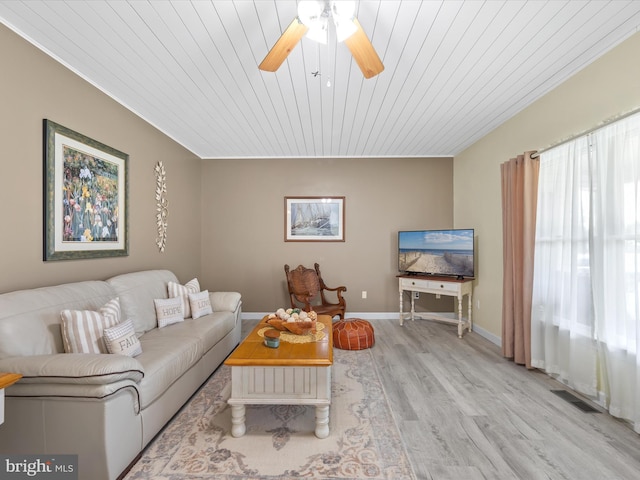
(104, 407)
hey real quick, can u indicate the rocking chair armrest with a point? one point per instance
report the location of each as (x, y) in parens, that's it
(337, 289)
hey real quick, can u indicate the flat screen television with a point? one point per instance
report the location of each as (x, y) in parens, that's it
(436, 252)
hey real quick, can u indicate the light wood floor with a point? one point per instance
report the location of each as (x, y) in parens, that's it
(465, 412)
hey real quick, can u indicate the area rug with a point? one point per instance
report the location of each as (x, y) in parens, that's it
(364, 442)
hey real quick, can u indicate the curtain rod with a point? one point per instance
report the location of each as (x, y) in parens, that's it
(587, 132)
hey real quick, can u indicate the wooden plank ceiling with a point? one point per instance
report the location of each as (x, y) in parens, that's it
(454, 70)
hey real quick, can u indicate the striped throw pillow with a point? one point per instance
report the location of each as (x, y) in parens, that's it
(82, 330)
(176, 290)
(122, 339)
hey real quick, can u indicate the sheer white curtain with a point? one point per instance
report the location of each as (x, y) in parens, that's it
(615, 268)
(586, 293)
(562, 320)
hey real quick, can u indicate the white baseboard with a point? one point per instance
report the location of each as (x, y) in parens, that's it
(363, 315)
(254, 315)
(488, 335)
(374, 315)
(382, 316)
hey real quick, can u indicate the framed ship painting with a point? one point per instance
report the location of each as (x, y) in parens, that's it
(85, 196)
(314, 219)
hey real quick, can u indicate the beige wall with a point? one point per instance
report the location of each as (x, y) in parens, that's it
(243, 245)
(34, 87)
(226, 217)
(230, 234)
(608, 87)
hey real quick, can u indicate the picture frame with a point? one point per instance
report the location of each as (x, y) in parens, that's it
(85, 196)
(314, 219)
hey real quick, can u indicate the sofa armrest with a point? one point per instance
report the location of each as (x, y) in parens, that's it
(225, 301)
(74, 368)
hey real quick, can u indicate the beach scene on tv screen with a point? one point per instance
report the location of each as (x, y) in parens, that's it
(443, 252)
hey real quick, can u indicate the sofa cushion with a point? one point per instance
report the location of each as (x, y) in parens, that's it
(137, 291)
(168, 311)
(209, 329)
(122, 339)
(169, 352)
(35, 315)
(82, 330)
(174, 289)
(200, 304)
(166, 356)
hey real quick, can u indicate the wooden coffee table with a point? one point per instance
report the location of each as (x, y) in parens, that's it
(6, 380)
(292, 374)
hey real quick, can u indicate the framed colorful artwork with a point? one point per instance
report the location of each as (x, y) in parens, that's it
(85, 196)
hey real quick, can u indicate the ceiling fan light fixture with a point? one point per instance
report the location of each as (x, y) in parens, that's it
(315, 15)
(309, 9)
(343, 13)
(312, 14)
(313, 19)
(344, 28)
(318, 31)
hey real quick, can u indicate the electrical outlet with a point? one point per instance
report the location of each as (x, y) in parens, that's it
(478, 304)
(416, 294)
(364, 294)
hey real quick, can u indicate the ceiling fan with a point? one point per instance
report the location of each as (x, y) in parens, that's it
(313, 19)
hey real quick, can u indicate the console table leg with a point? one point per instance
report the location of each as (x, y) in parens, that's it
(413, 306)
(470, 299)
(322, 421)
(460, 324)
(238, 428)
(401, 308)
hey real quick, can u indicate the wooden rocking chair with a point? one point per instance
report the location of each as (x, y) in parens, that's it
(304, 286)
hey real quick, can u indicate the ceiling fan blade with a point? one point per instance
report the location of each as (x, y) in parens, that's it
(287, 42)
(363, 52)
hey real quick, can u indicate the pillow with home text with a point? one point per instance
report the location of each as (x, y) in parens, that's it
(168, 311)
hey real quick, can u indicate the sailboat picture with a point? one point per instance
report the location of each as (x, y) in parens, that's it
(314, 219)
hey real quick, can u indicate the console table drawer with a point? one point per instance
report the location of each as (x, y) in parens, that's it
(431, 285)
(408, 283)
(449, 287)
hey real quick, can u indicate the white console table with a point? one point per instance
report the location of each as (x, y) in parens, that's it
(438, 286)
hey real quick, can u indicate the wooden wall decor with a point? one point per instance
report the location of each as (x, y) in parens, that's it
(161, 206)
